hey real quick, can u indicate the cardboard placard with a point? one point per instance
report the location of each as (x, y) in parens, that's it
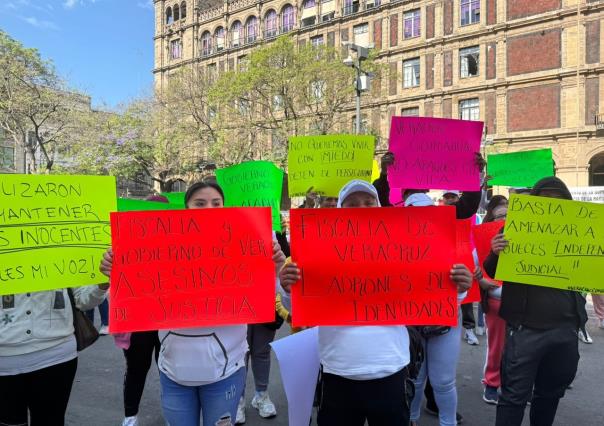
(520, 169)
(434, 153)
(191, 268)
(553, 243)
(370, 266)
(53, 230)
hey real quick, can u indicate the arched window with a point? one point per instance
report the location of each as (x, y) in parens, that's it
(236, 34)
(288, 18)
(206, 43)
(183, 10)
(596, 170)
(309, 3)
(169, 18)
(251, 29)
(270, 24)
(176, 12)
(219, 38)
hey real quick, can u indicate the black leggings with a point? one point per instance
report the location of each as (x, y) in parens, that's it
(382, 402)
(44, 393)
(138, 361)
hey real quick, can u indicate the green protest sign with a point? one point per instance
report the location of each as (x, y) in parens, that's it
(176, 198)
(521, 169)
(253, 184)
(553, 243)
(327, 162)
(129, 205)
(53, 230)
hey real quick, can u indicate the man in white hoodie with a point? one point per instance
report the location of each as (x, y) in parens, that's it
(364, 367)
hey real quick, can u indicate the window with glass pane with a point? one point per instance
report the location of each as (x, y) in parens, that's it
(411, 73)
(470, 12)
(469, 60)
(288, 18)
(317, 89)
(236, 30)
(219, 36)
(309, 3)
(250, 29)
(175, 50)
(411, 24)
(469, 109)
(317, 41)
(206, 43)
(271, 24)
(410, 112)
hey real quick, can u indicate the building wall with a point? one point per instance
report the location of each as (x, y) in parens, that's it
(540, 79)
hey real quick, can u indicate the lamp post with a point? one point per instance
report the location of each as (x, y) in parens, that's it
(361, 79)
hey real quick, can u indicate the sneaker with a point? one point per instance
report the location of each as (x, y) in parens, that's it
(130, 421)
(470, 337)
(240, 412)
(480, 331)
(104, 330)
(264, 405)
(459, 418)
(601, 323)
(434, 412)
(585, 337)
(490, 395)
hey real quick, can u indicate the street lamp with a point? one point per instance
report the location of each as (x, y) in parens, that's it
(361, 79)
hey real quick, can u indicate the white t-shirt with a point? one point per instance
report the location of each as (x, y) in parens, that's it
(364, 352)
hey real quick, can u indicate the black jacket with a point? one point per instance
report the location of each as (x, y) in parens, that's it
(535, 306)
(466, 207)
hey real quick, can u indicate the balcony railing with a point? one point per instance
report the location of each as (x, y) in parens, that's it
(271, 33)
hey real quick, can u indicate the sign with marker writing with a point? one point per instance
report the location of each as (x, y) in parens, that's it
(191, 268)
(253, 184)
(553, 243)
(374, 266)
(465, 256)
(522, 169)
(327, 162)
(53, 230)
(483, 235)
(590, 194)
(434, 153)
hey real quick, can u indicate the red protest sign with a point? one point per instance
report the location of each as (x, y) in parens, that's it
(369, 266)
(191, 268)
(483, 234)
(465, 255)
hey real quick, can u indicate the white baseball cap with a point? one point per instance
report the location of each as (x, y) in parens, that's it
(357, 186)
(419, 199)
(454, 192)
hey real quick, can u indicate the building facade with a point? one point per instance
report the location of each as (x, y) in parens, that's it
(532, 70)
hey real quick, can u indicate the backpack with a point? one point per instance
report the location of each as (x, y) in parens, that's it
(416, 352)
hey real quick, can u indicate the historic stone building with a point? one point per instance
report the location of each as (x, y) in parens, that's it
(532, 70)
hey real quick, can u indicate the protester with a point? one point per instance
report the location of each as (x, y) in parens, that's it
(139, 349)
(203, 369)
(541, 350)
(38, 356)
(104, 314)
(491, 301)
(364, 367)
(328, 202)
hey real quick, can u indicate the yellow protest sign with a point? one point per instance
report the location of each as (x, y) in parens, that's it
(554, 243)
(375, 172)
(326, 163)
(53, 230)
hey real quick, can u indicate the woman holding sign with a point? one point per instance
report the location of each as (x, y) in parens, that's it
(202, 369)
(38, 353)
(541, 354)
(364, 367)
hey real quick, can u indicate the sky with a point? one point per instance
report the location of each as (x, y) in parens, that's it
(101, 47)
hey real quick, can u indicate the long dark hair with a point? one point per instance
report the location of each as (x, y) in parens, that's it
(202, 185)
(495, 202)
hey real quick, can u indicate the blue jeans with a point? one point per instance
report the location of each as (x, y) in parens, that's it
(103, 311)
(480, 315)
(218, 401)
(440, 364)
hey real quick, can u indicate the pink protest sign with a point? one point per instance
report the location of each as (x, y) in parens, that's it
(434, 153)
